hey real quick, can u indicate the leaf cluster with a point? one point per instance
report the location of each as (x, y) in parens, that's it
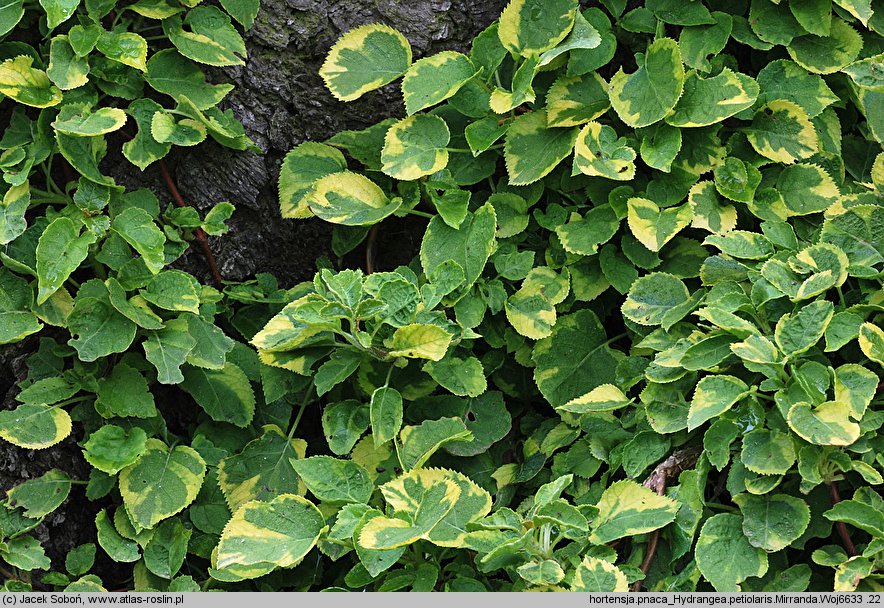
(654, 235)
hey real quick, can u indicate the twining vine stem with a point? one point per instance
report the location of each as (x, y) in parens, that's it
(199, 234)
(670, 468)
(843, 532)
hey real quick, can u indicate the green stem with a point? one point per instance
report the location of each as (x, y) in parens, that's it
(841, 296)
(301, 410)
(57, 200)
(421, 214)
(720, 507)
(72, 400)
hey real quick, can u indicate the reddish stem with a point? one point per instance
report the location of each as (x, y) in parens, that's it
(199, 234)
(670, 468)
(369, 249)
(840, 525)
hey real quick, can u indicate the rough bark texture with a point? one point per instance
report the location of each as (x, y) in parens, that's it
(281, 101)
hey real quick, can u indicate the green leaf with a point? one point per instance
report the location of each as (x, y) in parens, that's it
(604, 398)
(162, 483)
(583, 235)
(170, 73)
(574, 359)
(111, 448)
(262, 469)
(84, 154)
(596, 575)
(16, 318)
(26, 85)
(124, 47)
(531, 313)
(334, 481)
(48, 391)
(464, 377)
(725, 556)
(225, 394)
(212, 346)
(807, 189)
(827, 424)
(797, 333)
(827, 54)
(80, 559)
(58, 11)
(34, 426)
(338, 368)
(12, 213)
(532, 149)
(170, 289)
(244, 11)
(98, 328)
(572, 101)
(864, 73)
(698, 42)
(737, 180)
(365, 59)
(653, 226)
(706, 101)
(302, 167)
(783, 79)
(10, 15)
(81, 122)
(742, 244)
(583, 36)
(405, 494)
(350, 199)
(470, 245)
(599, 152)
(627, 508)
(546, 572)
(652, 296)
(871, 341)
(857, 231)
(60, 251)
(210, 37)
(137, 228)
(434, 79)
(344, 423)
(713, 396)
(42, 495)
(25, 553)
(144, 149)
(530, 27)
(118, 548)
(864, 511)
(385, 414)
(768, 452)
(420, 442)
(276, 533)
(166, 129)
(660, 146)
(709, 213)
(650, 93)
(66, 69)
(168, 348)
(773, 521)
(782, 132)
(415, 146)
(165, 551)
(125, 394)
